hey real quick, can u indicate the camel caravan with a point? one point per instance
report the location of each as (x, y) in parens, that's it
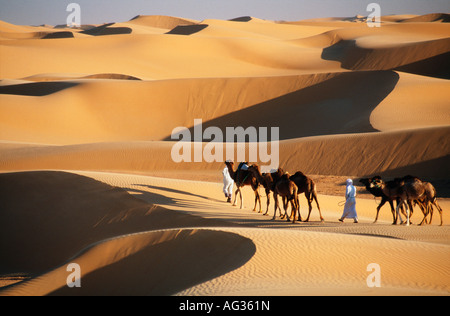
(405, 192)
(281, 184)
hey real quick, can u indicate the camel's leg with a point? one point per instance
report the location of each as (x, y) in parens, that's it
(391, 203)
(428, 209)
(310, 207)
(383, 201)
(282, 216)
(424, 217)
(440, 212)
(285, 204)
(297, 202)
(268, 202)
(394, 210)
(317, 202)
(431, 211)
(259, 201)
(294, 209)
(279, 210)
(435, 203)
(242, 200)
(410, 212)
(256, 201)
(293, 212)
(235, 196)
(425, 212)
(398, 213)
(275, 196)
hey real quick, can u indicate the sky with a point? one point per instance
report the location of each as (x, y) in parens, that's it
(53, 12)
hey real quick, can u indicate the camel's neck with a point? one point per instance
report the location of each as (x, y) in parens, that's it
(258, 175)
(231, 171)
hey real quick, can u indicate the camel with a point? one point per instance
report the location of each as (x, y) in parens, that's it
(392, 190)
(406, 189)
(378, 192)
(413, 189)
(288, 190)
(243, 178)
(268, 181)
(429, 200)
(306, 185)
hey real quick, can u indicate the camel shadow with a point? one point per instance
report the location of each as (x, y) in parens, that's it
(164, 200)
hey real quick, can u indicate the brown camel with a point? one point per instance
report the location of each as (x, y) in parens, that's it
(376, 191)
(268, 181)
(288, 190)
(413, 189)
(406, 189)
(243, 178)
(306, 185)
(428, 201)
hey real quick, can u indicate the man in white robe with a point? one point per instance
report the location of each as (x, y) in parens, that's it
(228, 184)
(350, 203)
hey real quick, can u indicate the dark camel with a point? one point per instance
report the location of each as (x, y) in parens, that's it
(378, 192)
(241, 179)
(267, 180)
(306, 185)
(428, 201)
(406, 189)
(288, 190)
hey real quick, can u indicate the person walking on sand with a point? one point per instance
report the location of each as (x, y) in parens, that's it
(350, 203)
(228, 184)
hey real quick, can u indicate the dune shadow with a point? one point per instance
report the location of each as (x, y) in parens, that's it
(187, 29)
(36, 89)
(437, 66)
(340, 105)
(434, 62)
(162, 269)
(242, 19)
(339, 51)
(106, 29)
(57, 35)
(163, 200)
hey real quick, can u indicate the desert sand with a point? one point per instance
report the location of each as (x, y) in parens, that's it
(87, 176)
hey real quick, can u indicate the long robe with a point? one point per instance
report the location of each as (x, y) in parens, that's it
(350, 201)
(228, 183)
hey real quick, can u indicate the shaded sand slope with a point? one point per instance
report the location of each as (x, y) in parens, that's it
(49, 218)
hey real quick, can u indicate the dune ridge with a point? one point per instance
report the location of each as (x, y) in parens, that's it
(86, 166)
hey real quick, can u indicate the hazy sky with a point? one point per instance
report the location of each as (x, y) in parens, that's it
(35, 12)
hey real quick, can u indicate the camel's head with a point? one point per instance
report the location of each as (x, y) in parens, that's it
(229, 163)
(376, 182)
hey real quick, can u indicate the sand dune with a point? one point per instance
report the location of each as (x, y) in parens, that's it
(86, 117)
